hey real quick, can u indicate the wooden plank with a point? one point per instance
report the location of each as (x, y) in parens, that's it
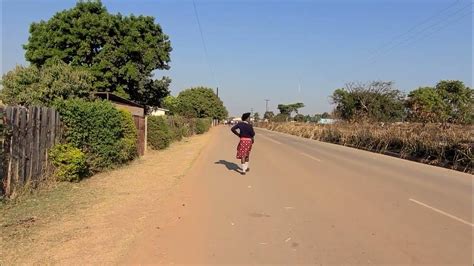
(29, 143)
(52, 128)
(43, 140)
(59, 128)
(15, 151)
(22, 116)
(8, 150)
(36, 144)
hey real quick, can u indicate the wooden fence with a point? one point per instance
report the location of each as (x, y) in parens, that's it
(140, 124)
(29, 134)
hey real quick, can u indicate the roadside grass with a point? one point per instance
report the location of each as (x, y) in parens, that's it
(449, 146)
(20, 218)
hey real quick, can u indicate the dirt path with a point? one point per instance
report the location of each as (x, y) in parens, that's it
(97, 220)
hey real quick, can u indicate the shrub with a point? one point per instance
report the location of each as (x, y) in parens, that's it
(178, 127)
(202, 125)
(99, 130)
(129, 141)
(430, 143)
(41, 86)
(159, 135)
(69, 161)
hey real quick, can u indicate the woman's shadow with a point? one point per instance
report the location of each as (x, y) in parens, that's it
(229, 165)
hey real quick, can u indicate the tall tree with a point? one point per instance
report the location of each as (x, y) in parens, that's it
(459, 100)
(288, 109)
(120, 51)
(268, 115)
(200, 102)
(426, 105)
(374, 101)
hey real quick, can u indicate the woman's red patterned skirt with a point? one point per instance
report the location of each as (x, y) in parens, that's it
(244, 148)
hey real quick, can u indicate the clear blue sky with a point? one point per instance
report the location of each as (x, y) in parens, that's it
(265, 49)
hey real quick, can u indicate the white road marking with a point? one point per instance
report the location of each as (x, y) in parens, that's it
(263, 243)
(442, 212)
(289, 208)
(270, 139)
(288, 239)
(311, 157)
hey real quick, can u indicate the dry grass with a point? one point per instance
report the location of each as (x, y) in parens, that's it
(448, 146)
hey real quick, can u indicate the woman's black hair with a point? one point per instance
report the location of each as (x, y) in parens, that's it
(245, 116)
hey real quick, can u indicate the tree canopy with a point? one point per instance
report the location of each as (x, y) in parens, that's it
(268, 115)
(200, 102)
(458, 100)
(374, 101)
(43, 85)
(121, 52)
(288, 109)
(426, 105)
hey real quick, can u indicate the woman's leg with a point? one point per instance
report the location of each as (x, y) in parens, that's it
(244, 166)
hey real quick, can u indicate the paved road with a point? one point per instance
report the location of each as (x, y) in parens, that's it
(306, 202)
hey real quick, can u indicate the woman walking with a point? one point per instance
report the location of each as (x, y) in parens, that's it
(246, 134)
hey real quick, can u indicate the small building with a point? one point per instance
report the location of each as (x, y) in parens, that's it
(122, 103)
(159, 111)
(138, 113)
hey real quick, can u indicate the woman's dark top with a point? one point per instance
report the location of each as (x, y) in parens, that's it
(245, 130)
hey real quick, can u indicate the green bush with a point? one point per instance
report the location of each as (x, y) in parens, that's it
(69, 161)
(178, 127)
(129, 141)
(159, 134)
(99, 130)
(202, 125)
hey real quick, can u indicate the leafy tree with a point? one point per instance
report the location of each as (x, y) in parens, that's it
(268, 115)
(288, 109)
(426, 105)
(256, 116)
(200, 102)
(284, 109)
(458, 99)
(280, 118)
(299, 118)
(120, 51)
(375, 101)
(171, 103)
(43, 85)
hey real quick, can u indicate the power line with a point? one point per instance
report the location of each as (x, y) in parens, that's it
(444, 26)
(386, 44)
(206, 54)
(416, 34)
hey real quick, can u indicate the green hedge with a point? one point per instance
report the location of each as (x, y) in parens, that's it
(159, 134)
(203, 125)
(164, 130)
(106, 135)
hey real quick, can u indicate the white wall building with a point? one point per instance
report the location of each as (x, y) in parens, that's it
(159, 112)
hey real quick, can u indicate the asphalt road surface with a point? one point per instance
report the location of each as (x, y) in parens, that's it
(307, 202)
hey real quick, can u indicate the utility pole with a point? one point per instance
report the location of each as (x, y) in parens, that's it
(217, 92)
(266, 105)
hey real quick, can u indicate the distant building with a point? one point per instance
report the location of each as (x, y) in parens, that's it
(121, 103)
(159, 111)
(327, 121)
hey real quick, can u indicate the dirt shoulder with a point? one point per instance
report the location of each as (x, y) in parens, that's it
(96, 220)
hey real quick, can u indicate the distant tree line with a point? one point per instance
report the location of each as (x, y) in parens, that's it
(450, 101)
